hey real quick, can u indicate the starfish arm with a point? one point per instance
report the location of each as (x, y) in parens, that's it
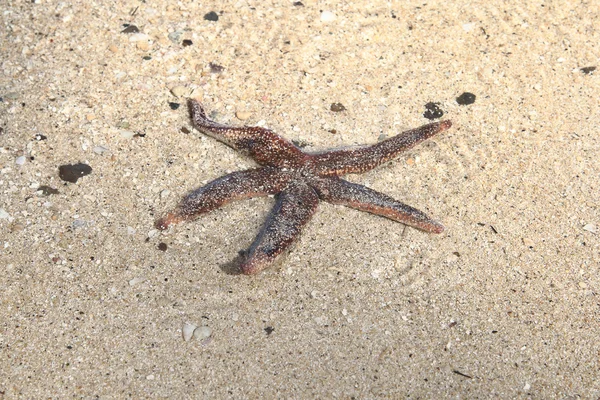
(363, 159)
(235, 186)
(294, 208)
(338, 191)
(263, 145)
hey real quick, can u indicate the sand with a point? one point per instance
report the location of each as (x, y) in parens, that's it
(503, 304)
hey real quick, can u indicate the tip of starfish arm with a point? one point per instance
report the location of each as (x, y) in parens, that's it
(445, 125)
(168, 220)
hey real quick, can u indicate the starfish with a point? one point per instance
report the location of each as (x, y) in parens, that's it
(299, 179)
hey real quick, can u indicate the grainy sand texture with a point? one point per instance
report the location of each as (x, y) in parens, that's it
(96, 303)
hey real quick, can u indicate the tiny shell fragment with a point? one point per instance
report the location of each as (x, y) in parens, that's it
(188, 331)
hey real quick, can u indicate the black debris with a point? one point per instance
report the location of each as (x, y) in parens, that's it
(433, 111)
(337, 107)
(211, 16)
(465, 99)
(130, 29)
(72, 172)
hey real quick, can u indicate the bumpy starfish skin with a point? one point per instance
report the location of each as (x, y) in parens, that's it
(299, 180)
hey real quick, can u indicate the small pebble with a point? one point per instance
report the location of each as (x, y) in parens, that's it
(72, 172)
(337, 107)
(588, 70)
(131, 29)
(590, 228)
(100, 149)
(125, 134)
(433, 111)
(139, 37)
(179, 91)
(243, 115)
(202, 332)
(162, 246)
(20, 160)
(187, 42)
(215, 68)
(3, 214)
(174, 106)
(44, 190)
(465, 99)
(188, 331)
(327, 16)
(137, 280)
(211, 16)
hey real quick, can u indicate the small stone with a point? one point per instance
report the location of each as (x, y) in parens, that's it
(130, 230)
(72, 172)
(130, 29)
(162, 246)
(211, 16)
(44, 190)
(465, 99)
(337, 107)
(187, 42)
(188, 331)
(215, 68)
(327, 16)
(113, 48)
(583, 285)
(590, 228)
(588, 70)
(433, 111)
(174, 106)
(202, 332)
(136, 280)
(179, 91)
(100, 150)
(125, 134)
(139, 37)
(243, 115)
(20, 160)
(4, 214)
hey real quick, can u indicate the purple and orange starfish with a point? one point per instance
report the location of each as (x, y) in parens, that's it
(299, 180)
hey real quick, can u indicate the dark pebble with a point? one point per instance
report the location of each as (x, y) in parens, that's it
(47, 190)
(211, 16)
(72, 172)
(298, 4)
(215, 68)
(131, 29)
(146, 58)
(337, 107)
(39, 137)
(185, 130)
(174, 106)
(187, 42)
(433, 111)
(162, 246)
(466, 98)
(588, 70)
(269, 330)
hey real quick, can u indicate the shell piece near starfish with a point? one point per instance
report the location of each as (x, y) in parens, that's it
(300, 180)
